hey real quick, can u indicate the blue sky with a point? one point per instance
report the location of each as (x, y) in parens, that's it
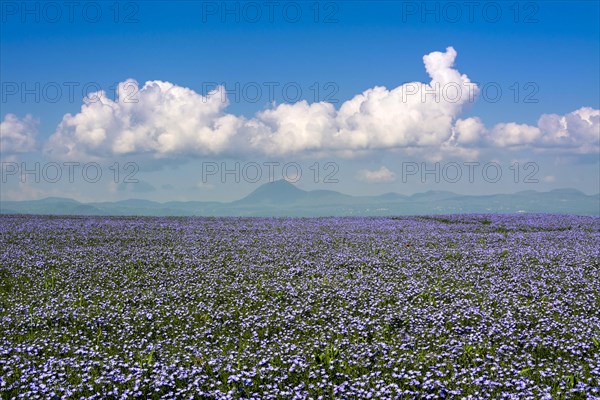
(543, 56)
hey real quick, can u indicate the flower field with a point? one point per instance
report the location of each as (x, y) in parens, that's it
(473, 306)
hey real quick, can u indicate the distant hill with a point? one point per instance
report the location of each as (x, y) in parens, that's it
(279, 192)
(281, 198)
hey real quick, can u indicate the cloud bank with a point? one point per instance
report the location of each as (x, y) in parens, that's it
(163, 119)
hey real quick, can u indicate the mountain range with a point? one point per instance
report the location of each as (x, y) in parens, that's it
(282, 198)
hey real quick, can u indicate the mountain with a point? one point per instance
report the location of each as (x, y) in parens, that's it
(49, 205)
(274, 193)
(281, 198)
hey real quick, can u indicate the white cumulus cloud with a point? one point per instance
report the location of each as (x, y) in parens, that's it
(163, 119)
(381, 175)
(578, 131)
(158, 117)
(468, 131)
(513, 134)
(17, 135)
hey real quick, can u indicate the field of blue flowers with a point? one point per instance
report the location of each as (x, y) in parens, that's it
(473, 306)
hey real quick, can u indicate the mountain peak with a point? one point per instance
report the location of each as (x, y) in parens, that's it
(277, 192)
(280, 182)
